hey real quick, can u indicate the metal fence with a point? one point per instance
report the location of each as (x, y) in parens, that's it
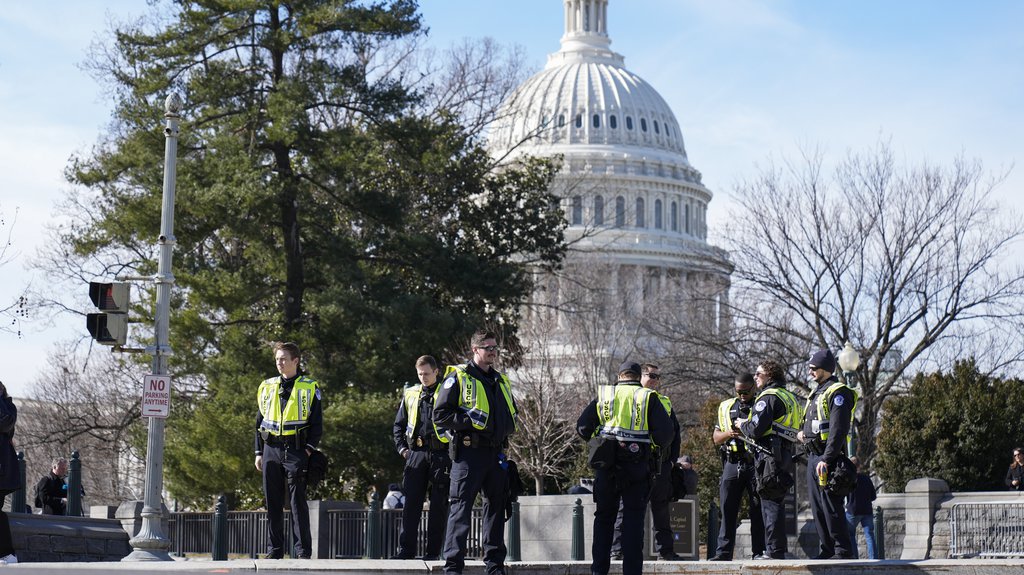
(986, 530)
(191, 533)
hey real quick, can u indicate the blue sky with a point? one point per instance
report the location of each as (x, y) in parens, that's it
(748, 80)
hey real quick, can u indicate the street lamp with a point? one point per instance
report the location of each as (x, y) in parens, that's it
(849, 361)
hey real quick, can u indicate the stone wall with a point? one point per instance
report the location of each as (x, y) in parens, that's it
(57, 538)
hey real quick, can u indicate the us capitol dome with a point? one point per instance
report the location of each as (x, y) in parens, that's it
(636, 206)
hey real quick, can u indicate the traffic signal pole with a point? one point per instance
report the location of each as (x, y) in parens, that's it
(151, 544)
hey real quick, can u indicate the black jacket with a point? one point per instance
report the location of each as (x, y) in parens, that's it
(10, 476)
(1015, 473)
(840, 417)
(448, 414)
(424, 423)
(50, 491)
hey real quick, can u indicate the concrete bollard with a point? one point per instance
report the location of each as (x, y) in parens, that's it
(577, 531)
(373, 528)
(74, 486)
(879, 533)
(18, 497)
(514, 546)
(220, 530)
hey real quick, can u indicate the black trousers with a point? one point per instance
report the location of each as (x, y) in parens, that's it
(426, 472)
(475, 470)
(627, 484)
(773, 511)
(6, 542)
(660, 499)
(828, 513)
(284, 471)
(737, 480)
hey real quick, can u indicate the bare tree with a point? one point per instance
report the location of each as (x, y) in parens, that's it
(94, 411)
(907, 263)
(11, 313)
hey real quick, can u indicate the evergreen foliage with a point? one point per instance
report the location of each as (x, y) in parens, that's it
(315, 203)
(959, 426)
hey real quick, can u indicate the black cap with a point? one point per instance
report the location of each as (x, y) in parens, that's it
(394, 487)
(630, 366)
(823, 359)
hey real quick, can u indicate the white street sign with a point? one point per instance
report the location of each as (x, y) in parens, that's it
(156, 395)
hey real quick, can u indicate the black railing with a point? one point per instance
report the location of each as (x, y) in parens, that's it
(192, 533)
(347, 533)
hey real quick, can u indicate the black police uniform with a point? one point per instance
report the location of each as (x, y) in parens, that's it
(627, 483)
(478, 464)
(737, 480)
(827, 509)
(284, 465)
(51, 491)
(767, 408)
(427, 468)
(660, 500)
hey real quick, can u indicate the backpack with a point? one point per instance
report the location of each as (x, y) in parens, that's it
(772, 482)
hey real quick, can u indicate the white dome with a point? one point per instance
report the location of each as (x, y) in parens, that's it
(586, 98)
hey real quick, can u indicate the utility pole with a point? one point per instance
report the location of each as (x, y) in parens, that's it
(151, 544)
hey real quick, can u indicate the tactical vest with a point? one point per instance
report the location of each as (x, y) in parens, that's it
(793, 417)
(666, 402)
(825, 400)
(294, 416)
(622, 412)
(412, 413)
(473, 397)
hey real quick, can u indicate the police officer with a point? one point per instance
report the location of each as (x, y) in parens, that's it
(475, 406)
(635, 421)
(661, 491)
(774, 405)
(737, 472)
(827, 418)
(289, 426)
(425, 450)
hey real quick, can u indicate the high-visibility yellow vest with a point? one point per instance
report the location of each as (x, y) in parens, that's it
(725, 422)
(294, 416)
(793, 417)
(825, 400)
(622, 412)
(412, 413)
(473, 398)
(666, 402)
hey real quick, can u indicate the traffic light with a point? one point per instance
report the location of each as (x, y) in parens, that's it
(111, 326)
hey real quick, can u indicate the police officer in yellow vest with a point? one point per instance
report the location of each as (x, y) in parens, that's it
(476, 408)
(632, 420)
(775, 405)
(289, 426)
(737, 472)
(425, 450)
(827, 419)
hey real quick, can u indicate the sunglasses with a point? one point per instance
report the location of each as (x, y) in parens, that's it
(746, 391)
(488, 347)
(654, 376)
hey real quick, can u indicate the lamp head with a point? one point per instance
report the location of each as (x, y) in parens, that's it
(849, 359)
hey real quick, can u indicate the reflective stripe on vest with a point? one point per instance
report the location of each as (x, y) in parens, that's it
(412, 413)
(725, 421)
(825, 400)
(793, 416)
(622, 412)
(473, 398)
(296, 410)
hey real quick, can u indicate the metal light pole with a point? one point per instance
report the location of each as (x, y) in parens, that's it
(151, 544)
(849, 361)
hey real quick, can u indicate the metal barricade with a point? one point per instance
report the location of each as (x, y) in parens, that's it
(991, 529)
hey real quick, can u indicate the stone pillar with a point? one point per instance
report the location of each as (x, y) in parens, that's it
(922, 497)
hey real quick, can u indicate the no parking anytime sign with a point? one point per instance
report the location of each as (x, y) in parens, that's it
(156, 396)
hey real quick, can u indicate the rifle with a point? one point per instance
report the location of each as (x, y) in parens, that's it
(787, 433)
(751, 444)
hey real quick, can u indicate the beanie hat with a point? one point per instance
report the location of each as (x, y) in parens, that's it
(630, 366)
(823, 359)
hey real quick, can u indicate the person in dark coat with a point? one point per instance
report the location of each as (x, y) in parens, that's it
(10, 478)
(1015, 474)
(52, 490)
(858, 512)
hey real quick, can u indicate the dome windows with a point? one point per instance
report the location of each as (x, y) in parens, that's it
(620, 212)
(613, 122)
(640, 223)
(673, 216)
(656, 130)
(629, 122)
(579, 120)
(577, 210)
(597, 120)
(561, 120)
(599, 210)
(643, 124)
(657, 214)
